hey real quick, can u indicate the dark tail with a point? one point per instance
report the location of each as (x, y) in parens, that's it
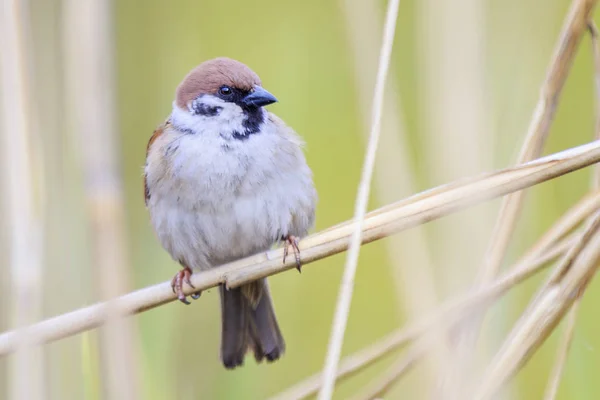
(245, 326)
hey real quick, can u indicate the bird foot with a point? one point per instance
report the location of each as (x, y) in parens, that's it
(292, 241)
(177, 285)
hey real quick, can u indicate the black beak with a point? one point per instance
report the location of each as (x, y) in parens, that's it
(259, 97)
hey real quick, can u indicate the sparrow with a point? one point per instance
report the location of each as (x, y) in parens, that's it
(225, 179)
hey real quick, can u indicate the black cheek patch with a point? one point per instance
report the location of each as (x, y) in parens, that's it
(206, 110)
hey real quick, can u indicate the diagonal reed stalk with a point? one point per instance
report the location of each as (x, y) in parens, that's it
(574, 27)
(448, 315)
(550, 246)
(551, 303)
(571, 247)
(424, 207)
(573, 30)
(397, 370)
(561, 293)
(562, 353)
(567, 338)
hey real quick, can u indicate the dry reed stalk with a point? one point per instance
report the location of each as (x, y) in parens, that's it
(562, 353)
(403, 365)
(572, 218)
(342, 310)
(90, 82)
(573, 29)
(26, 369)
(545, 311)
(548, 247)
(587, 204)
(431, 204)
(573, 246)
(414, 287)
(558, 273)
(565, 344)
(450, 313)
(397, 370)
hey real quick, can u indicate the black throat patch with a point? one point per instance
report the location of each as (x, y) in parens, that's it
(254, 119)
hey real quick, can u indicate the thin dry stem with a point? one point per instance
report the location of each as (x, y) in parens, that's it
(562, 353)
(545, 311)
(572, 218)
(545, 250)
(347, 285)
(397, 370)
(416, 351)
(89, 58)
(573, 29)
(564, 347)
(448, 314)
(560, 65)
(558, 273)
(26, 373)
(414, 287)
(381, 223)
(547, 246)
(563, 350)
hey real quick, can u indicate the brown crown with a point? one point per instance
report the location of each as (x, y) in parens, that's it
(209, 76)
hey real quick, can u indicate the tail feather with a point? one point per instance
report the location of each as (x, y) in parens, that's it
(235, 321)
(244, 326)
(264, 320)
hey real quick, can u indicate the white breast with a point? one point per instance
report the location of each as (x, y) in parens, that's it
(213, 200)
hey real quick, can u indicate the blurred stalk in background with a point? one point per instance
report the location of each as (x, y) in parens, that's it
(23, 212)
(90, 88)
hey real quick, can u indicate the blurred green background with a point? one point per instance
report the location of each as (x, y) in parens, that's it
(304, 55)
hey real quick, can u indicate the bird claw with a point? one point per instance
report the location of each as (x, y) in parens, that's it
(293, 242)
(177, 285)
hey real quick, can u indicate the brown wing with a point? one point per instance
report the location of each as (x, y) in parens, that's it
(159, 131)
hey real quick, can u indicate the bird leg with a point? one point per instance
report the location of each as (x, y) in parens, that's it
(177, 285)
(292, 241)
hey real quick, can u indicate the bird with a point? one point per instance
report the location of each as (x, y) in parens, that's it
(224, 179)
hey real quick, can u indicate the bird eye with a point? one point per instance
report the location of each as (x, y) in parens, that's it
(225, 91)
